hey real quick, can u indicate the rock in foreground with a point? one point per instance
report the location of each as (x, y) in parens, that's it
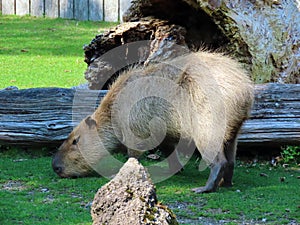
(130, 198)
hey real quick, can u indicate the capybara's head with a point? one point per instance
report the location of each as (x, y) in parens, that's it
(75, 157)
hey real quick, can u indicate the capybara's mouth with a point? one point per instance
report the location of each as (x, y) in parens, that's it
(73, 176)
(78, 175)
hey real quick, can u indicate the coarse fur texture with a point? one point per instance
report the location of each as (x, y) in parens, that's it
(201, 98)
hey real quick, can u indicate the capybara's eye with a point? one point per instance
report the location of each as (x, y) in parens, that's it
(75, 141)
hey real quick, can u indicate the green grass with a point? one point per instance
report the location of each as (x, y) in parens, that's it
(253, 197)
(43, 52)
(31, 193)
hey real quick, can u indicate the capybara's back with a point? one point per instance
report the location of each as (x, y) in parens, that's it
(199, 97)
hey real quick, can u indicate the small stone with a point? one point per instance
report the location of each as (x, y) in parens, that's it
(10, 88)
(45, 190)
(264, 175)
(153, 156)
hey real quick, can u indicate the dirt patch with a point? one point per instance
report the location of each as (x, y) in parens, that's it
(13, 185)
(191, 219)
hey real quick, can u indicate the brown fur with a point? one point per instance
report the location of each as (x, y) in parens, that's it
(206, 98)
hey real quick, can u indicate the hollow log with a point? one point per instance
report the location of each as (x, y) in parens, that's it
(129, 44)
(44, 117)
(261, 34)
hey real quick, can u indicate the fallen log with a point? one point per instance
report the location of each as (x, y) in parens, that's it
(43, 117)
(275, 117)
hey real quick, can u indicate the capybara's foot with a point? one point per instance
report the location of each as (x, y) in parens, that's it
(226, 184)
(204, 189)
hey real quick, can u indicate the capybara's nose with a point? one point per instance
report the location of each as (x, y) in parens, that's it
(57, 169)
(57, 165)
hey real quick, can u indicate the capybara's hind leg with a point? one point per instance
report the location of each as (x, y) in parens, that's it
(216, 174)
(230, 153)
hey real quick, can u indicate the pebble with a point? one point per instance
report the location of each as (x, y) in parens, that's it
(264, 220)
(45, 190)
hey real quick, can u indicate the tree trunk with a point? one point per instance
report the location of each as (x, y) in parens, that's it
(262, 34)
(44, 117)
(267, 31)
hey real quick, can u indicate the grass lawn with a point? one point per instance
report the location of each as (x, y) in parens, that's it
(41, 52)
(31, 193)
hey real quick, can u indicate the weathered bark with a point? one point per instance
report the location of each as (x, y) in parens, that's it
(265, 32)
(262, 34)
(106, 60)
(45, 117)
(275, 117)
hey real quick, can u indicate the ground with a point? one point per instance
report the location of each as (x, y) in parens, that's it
(31, 193)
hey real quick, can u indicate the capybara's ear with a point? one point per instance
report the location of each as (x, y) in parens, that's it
(90, 122)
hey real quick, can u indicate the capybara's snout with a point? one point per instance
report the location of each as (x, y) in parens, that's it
(57, 165)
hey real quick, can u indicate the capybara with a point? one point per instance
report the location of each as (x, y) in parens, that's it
(199, 99)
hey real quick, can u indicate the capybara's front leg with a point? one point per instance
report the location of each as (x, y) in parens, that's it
(216, 174)
(171, 153)
(174, 164)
